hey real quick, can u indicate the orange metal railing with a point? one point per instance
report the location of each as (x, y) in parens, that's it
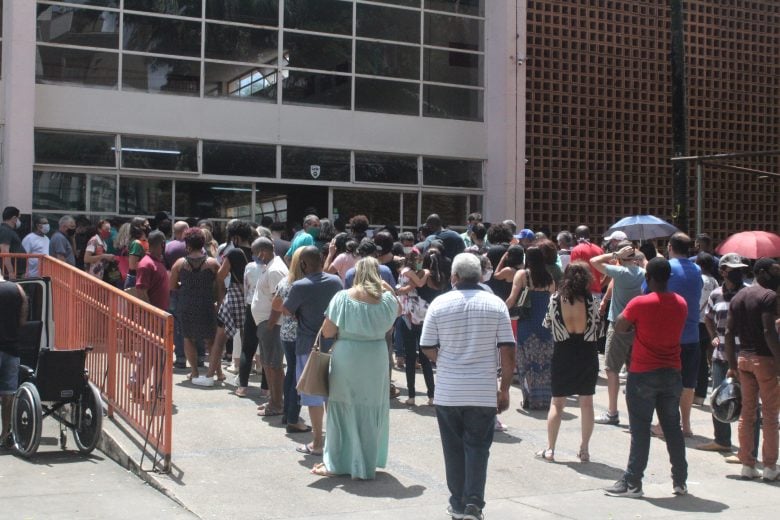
(132, 341)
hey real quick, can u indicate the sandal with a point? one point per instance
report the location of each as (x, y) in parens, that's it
(321, 470)
(410, 402)
(547, 455)
(269, 412)
(307, 449)
(583, 455)
(241, 391)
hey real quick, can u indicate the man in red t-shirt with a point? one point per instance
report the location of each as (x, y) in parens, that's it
(583, 252)
(654, 381)
(151, 284)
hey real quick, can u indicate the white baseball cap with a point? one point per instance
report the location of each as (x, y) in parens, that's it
(617, 235)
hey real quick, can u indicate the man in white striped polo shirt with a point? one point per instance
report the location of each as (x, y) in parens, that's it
(463, 333)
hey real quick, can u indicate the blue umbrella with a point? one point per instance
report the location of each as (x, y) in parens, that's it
(643, 227)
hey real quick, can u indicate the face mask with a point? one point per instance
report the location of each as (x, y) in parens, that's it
(18, 223)
(259, 261)
(735, 277)
(407, 250)
(487, 275)
(71, 232)
(418, 266)
(45, 229)
(314, 232)
(104, 234)
(147, 230)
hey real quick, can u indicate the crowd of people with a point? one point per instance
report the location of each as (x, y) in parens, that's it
(534, 309)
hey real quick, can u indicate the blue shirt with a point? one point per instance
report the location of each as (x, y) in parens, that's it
(628, 284)
(384, 272)
(308, 299)
(686, 281)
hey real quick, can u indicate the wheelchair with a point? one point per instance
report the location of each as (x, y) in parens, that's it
(57, 387)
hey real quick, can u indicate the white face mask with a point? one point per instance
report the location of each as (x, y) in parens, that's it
(45, 229)
(407, 250)
(18, 223)
(487, 275)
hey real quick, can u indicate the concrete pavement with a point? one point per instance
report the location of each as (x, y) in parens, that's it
(228, 462)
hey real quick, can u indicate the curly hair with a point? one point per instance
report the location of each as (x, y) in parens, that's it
(576, 282)
(194, 238)
(241, 229)
(499, 234)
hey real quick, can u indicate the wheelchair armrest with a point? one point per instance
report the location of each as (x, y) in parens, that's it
(25, 374)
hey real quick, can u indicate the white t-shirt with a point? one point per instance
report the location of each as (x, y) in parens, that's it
(268, 277)
(468, 325)
(251, 272)
(35, 244)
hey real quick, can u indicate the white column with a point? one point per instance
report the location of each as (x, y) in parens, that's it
(18, 104)
(505, 111)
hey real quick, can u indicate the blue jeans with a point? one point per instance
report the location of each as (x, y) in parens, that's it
(178, 339)
(290, 406)
(466, 436)
(658, 391)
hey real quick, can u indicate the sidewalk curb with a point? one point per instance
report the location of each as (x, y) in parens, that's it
(114, 451)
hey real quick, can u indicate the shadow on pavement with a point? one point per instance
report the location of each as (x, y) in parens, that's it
(384, 486)
(52, 458)
(688, 504)
(596, 470)
(506, 438)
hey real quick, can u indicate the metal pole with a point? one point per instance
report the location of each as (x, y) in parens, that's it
(699, 196)
(679, 116)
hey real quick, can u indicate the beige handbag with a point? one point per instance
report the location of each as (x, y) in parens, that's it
(314, 378)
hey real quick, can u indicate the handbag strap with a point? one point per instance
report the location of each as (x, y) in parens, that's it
(318, 341)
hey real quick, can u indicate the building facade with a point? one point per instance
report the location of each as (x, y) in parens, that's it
(252, 108)
(599, 112)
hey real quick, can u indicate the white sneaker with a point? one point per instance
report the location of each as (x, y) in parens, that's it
(203, 381)
(771, 474)
(749, 472)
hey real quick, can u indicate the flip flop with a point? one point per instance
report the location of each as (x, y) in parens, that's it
(293, 429)
(241, 391)
(306, 450)
(321, 470)
(269, 412)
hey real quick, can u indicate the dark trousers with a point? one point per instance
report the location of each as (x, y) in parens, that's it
(290, 406)
(466, 436)
(702, 382)
(657, 391)
(411, 341)
(722, 430)
(248, 350)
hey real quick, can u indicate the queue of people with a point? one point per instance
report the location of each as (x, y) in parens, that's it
(459, 307)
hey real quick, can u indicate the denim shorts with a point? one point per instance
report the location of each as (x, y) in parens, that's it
(690, 355)
(9, 374)
(306, 400)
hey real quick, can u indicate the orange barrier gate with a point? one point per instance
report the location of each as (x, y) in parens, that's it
(132, 341)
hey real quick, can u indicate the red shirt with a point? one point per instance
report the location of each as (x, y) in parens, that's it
(659, 319)
(583, 252)
(153, 278)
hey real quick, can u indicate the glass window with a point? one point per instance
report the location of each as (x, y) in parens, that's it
(470, 7)
(315, 164)
(460, 68)
(454, 32)
(308, 88)
(317, 52)
(144, 196)
(102, 195)
(161, 75)
(161, 35)
(452, 102)
(410, 210)
(241, 81)
(452, 173)
(329, 16)
(75, 26)
(55, 190)
(74, 148)
(392, 97)
(396, 169)
(224, 158)
(98, 3)
(229, 42)
(258, 12)
(209, 200)
(387, 23)
(407, 3)
(76, 67)
(150, 153)
(381, 207)
(270, 201)
(384, 59)
(177, 7)
(451, 208)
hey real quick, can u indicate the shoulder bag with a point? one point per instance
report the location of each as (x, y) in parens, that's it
(522, 308)
(315, 375)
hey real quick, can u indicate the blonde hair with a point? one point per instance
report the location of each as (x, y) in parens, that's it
(367, 276)
(122, 238)
(209, 243)
(295, 272)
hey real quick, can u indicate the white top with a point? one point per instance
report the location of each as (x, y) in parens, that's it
(268, 277)
(35, 244)
(251, 272)
(468, 325)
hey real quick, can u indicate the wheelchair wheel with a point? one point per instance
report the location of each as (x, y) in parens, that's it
(87, 416)
(27, 419)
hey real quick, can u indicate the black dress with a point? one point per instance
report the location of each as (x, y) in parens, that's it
(575, 367)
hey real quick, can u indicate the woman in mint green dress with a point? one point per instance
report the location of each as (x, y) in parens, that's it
(358, 422)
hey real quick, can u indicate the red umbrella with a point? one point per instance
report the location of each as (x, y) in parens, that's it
(752, 244)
